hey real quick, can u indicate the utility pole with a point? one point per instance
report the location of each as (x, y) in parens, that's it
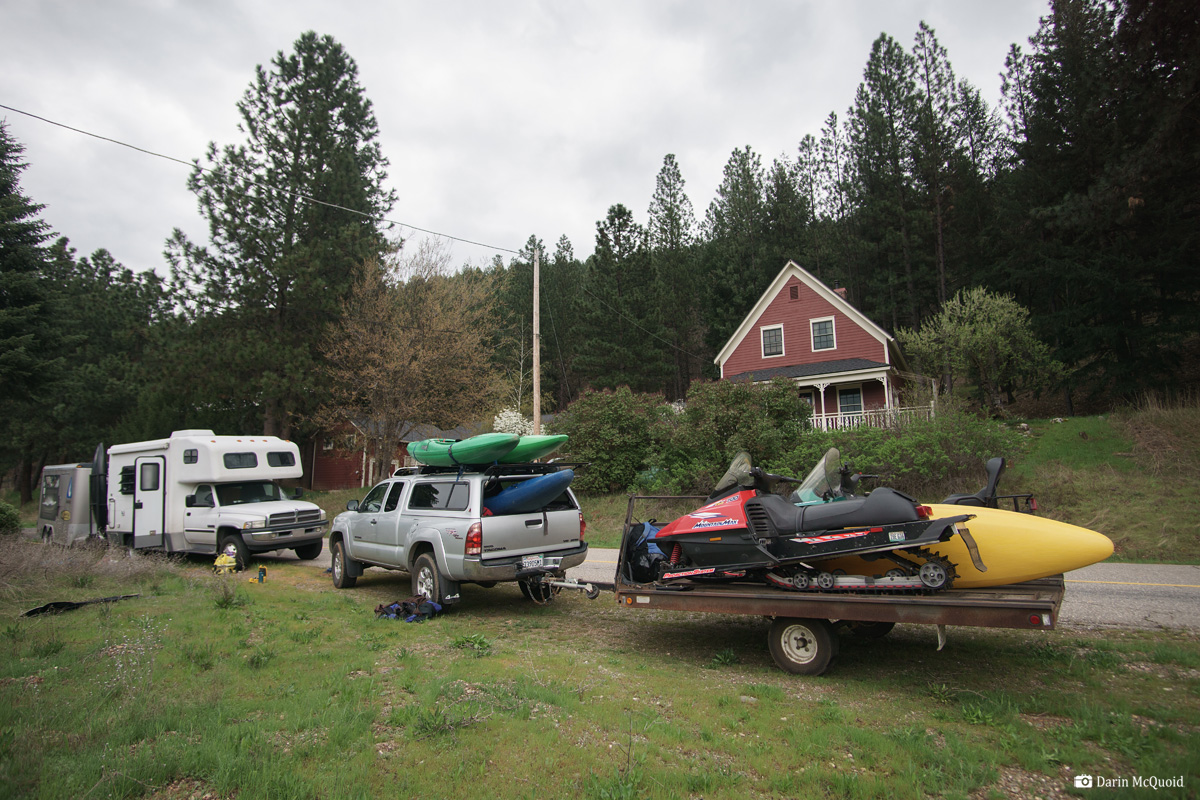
(537, 343)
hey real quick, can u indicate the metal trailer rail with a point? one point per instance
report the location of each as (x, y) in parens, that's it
(802, 638)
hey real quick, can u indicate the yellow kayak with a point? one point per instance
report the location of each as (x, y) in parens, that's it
(1014, 547)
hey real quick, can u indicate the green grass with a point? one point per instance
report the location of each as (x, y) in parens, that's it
(300, 692)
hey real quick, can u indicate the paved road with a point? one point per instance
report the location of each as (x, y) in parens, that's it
(1102, 595)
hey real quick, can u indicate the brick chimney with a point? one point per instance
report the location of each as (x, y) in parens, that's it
(841, 290)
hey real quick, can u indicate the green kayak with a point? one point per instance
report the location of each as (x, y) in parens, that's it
(531, 448)
(482, 449)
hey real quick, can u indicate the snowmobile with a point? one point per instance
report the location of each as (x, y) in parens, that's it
(746, 531)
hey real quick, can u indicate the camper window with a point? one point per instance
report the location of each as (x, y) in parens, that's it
(281, 459)
(191, 456)
(149, 479)
(241, 461)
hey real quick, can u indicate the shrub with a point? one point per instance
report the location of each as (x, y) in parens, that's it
(611, 431)
(925, 458)
(10, 519)
(693, 448)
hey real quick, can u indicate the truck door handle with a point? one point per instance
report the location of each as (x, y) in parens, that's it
(138, 504)
(373, 522)
(533, 523)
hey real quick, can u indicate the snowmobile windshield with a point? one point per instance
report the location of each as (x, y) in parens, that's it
(823, 483)
(738, 474)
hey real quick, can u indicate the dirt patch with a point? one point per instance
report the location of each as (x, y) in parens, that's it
(189, 789)
(1021, 784)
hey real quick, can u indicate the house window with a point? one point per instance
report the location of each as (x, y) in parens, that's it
(807, 397)
(772, 341)
(822, 334)
(850, 401)
(795, 292)
(327, 445)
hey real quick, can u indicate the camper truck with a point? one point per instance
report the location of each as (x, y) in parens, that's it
(64, 510)
(196, 492)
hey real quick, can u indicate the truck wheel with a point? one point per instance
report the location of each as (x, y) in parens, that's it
(242, 554)
(310, 551)
(341, 579)
(427, 581)
(801, 646)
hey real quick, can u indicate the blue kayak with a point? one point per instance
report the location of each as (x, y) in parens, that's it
(529, 495)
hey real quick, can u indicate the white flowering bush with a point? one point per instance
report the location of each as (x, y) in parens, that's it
(510, 420)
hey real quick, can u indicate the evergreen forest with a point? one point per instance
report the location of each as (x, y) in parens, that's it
(1077, 198)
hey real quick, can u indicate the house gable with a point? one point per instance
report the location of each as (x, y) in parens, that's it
(799, 320)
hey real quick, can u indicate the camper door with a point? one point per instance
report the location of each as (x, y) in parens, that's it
(149, 501)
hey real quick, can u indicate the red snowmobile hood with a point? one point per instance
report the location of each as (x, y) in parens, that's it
(724, 514)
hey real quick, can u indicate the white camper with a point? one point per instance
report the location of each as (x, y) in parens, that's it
(197, 492)
(64, 509)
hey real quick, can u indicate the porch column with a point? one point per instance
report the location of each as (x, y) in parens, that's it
(821, 387)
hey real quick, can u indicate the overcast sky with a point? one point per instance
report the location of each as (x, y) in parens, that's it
(500, 119)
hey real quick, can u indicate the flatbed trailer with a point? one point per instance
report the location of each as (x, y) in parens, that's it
(803, 636)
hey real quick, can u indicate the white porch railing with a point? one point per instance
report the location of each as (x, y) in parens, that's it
(873, 418)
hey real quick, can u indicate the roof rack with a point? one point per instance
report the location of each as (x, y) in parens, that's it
(491, 470)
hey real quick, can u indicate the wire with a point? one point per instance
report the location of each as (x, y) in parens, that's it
(196, 165)
(635, 323)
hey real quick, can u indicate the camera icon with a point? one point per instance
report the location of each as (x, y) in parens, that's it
(1083, 781)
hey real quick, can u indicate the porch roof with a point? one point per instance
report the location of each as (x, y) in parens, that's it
(846, 367)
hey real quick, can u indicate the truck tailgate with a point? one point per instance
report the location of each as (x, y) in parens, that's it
(534, 533)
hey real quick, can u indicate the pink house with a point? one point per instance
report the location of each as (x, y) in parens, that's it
(801, 329)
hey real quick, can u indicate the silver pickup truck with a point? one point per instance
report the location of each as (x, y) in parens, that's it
(431, 523)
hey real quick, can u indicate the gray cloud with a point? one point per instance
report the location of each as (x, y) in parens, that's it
(499, 119)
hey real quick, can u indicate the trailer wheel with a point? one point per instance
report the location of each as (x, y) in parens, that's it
(241, 552)
(341, 577)
(801, 646)
(310, 551)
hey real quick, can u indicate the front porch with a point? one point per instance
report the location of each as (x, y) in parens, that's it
(871, 418)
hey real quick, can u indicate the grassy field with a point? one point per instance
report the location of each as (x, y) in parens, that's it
(220, 688)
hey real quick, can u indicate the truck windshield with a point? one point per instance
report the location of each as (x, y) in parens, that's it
(232, 494)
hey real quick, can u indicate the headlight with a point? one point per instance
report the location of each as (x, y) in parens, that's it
(254, 523)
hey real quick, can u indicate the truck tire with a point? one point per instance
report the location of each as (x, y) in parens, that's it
(341, 577)
(310, 551)
(242, 553)
(801, 646)
(427, 579)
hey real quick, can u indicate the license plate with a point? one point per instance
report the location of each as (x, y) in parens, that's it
(529, 562)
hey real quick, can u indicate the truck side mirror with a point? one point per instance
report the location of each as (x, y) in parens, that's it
(190, 501)
(352, 505)
(297, 493)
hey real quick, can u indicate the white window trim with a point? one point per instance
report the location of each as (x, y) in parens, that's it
(862, 400)
(812, 339)
(762, 345)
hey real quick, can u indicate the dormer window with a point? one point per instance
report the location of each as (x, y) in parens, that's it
(823, 337)
(772, 340)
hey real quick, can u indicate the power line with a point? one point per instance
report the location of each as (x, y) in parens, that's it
(196, 164)
(637, 325)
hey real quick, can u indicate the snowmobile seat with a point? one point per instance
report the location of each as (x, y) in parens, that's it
(772, 515)
(985, 497)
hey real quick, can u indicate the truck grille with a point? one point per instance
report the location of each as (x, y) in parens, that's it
(294, 517)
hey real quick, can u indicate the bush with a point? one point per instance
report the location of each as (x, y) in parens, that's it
(925, 458)
(610, 430)
(693, 448)
(10, 519)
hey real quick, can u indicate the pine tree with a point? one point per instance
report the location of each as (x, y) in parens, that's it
(881, 144)
(30, 357)
(675, 262)
(291, 213)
